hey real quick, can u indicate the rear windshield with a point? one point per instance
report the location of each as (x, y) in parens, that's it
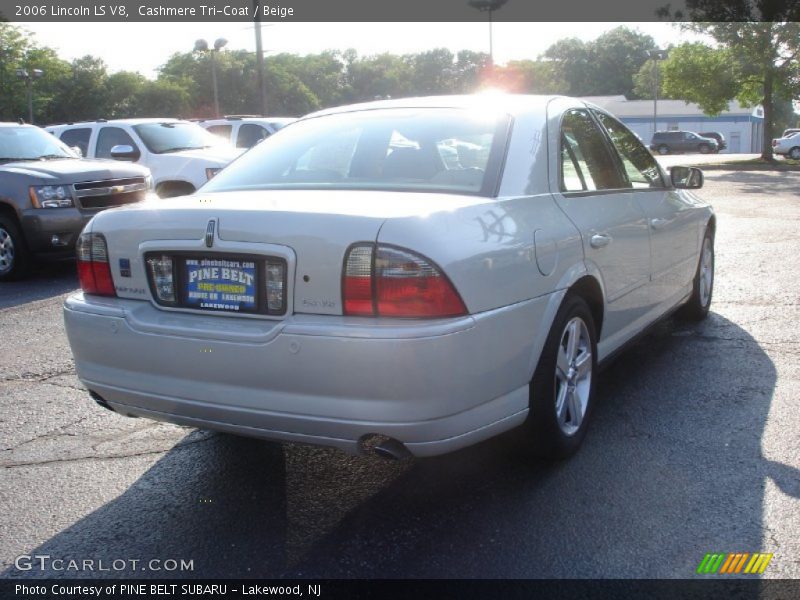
(428, 150)
(173, 136)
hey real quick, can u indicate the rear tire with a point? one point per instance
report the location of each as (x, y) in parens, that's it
(696, 308)
(794, 153)
(562, 388)
(14, 256)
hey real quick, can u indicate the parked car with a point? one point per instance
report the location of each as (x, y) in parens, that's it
(788, 145)
(181, 155)
(338, 287)
(716, 135)
(666, 142)
(48, 194)
(245, 131)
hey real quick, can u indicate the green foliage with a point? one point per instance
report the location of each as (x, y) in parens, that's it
(700, 74)
(605, 66)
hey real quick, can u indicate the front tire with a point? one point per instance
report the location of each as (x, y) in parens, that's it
(704, 149)
(14, 259)
(562, 388)
(662, 149)
(696, 308)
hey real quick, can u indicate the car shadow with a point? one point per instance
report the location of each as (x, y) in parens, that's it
(671, 469)
(46, 280)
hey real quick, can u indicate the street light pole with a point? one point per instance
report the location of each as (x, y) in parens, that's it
(29, 77)
(202, 46)
(657, 55)
(488, 6)
(262, 91)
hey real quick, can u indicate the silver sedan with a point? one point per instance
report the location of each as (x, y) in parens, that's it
(400, 277)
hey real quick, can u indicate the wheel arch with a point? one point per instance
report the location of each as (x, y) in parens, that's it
(175, 183)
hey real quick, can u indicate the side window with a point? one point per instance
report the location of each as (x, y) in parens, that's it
(110, 137)
(250, 134)
(77, 137)
(223, 131)
(640, 166)
(584, 155)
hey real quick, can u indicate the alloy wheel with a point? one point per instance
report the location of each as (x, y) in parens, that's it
(573, 376)
(6, 251)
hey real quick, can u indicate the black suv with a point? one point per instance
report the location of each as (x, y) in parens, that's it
(48, 194)
(716, 135)
(665, 142)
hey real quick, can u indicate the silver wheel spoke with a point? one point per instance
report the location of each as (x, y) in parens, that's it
(575, 409)
(573, 335)
(562, 364)
(561, 405)
(584, 364)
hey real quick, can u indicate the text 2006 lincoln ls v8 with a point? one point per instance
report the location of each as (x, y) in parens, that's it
(407, 276)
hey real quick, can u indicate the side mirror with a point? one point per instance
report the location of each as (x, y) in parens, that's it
(77, 150)
(686, 178)
(125, 152)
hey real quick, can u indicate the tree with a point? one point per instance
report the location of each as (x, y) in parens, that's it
(762, 41)
(605, 66)
(698, 73)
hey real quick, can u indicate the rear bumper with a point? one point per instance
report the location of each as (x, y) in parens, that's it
(436, 386)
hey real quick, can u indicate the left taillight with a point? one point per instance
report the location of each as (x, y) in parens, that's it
(94, 271)
(386, 281)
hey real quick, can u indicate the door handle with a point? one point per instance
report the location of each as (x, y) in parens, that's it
(599, 240)
(659, 223)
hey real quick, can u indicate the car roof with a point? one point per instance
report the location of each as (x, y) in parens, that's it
(133, 121)
(514, 104)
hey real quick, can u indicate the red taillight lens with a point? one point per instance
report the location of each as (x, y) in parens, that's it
(392, 282)
(94, 272)
(774, 143)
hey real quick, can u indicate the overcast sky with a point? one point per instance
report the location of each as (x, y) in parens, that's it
(144, 47)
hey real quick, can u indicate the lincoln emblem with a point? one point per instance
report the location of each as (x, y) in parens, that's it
(210, 234)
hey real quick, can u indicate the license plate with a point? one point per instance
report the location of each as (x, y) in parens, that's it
(217, 284)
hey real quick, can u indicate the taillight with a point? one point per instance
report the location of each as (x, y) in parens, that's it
(386, 281)
(774, 143)
(94, 272)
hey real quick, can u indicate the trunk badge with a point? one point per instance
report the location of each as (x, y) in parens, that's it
(210, 234)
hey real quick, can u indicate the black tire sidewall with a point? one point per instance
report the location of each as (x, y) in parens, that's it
(663, 150)
(547, 437)
(20, 265)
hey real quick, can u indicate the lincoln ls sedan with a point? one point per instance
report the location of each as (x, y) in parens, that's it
(404, 277)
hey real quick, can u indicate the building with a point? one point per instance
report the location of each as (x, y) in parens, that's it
(741, 126)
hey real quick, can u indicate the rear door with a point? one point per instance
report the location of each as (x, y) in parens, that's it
(672, 222)
(613, 227)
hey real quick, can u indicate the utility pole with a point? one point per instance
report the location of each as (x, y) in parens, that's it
(262, 92)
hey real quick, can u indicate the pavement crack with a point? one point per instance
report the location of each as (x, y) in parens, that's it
(37, 463)
(53, 433)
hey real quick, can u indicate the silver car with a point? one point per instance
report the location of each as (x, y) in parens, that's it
(402, 277)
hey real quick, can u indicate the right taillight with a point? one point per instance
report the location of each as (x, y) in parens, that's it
(94, 272)
(387, 281)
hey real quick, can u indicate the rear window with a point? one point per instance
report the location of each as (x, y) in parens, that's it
(428, 150)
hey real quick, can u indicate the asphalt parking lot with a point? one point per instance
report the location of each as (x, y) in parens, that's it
(694, 449)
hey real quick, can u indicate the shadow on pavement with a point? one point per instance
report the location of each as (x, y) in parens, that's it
(671, 469)
(45, 281)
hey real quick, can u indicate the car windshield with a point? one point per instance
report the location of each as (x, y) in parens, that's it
(173, 136)
(400, 149)
(31, 143)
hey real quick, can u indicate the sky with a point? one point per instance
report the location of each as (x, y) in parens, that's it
(121, 45)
